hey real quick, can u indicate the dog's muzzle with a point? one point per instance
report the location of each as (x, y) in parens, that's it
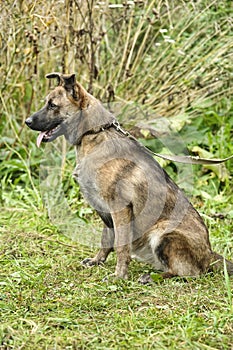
(28, 122)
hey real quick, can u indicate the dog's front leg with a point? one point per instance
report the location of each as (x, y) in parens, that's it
(107, 243)
(123, 238)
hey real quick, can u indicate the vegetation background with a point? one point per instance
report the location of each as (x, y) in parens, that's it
(165, 68)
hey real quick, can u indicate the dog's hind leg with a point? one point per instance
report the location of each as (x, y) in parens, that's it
(182, 257)
(107, 243)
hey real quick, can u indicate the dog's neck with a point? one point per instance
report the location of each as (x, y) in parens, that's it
(95, 131)
(92, 120)
(90, 142)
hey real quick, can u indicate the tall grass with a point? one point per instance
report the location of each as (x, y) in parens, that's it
(151, 58)
(167, 55)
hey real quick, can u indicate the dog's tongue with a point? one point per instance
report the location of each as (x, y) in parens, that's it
(40, 138)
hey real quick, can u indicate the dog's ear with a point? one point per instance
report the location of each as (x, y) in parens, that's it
(69, 81)
(56, 75)
(66, 80)
(76, 90)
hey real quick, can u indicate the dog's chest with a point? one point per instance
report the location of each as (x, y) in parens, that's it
(85, 175)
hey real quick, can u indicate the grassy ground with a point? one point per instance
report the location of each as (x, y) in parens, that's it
(49, 301)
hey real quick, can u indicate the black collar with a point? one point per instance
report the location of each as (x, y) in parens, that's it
(115, 124)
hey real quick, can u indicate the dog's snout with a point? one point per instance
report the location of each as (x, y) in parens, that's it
(28, 121)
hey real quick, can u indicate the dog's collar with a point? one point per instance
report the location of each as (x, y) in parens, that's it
(115, 124)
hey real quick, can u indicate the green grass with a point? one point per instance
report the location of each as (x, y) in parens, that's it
(49, 301)
(160, 59)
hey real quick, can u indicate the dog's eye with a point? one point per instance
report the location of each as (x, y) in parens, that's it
(52, 106)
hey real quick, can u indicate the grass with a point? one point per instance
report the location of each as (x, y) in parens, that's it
(49, 301)
(148, 59)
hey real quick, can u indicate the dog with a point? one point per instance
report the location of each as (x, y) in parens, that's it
(145, 214)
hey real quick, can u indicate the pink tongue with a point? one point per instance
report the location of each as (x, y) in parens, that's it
(40, 138)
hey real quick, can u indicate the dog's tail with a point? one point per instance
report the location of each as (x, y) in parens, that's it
(217, 263)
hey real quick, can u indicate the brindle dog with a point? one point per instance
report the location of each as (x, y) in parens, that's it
(145, 214)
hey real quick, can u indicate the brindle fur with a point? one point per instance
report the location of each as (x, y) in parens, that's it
(145, 214)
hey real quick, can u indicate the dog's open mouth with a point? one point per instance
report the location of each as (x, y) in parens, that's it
(49, 135)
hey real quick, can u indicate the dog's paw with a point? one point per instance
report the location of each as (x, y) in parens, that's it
(114, 277)
(145, 279)
(88, 262)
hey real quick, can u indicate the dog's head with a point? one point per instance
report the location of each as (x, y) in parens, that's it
(69, 110)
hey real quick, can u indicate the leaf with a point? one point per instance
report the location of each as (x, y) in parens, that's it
(219, 169)
(230, 214)
(145, 133)
(179, 121)
(205, 195)
(156, 277)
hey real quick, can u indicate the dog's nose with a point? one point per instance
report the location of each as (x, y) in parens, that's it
(28, 121)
